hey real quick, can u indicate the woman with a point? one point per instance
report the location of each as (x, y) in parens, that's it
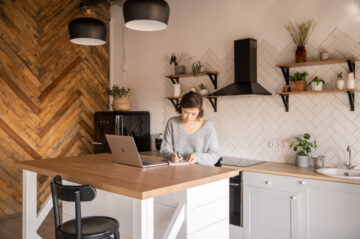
(189, 136)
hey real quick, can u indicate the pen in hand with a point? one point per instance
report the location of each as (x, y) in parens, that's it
(179, 156)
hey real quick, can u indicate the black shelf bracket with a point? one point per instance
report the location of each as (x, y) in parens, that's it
(213, 78)
(285, 99)
(286, 73)
(351, 65)
(174, 80)
(213, 102)
(175, 103)
(351, 95)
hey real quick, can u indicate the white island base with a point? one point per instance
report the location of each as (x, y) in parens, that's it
(195, 213)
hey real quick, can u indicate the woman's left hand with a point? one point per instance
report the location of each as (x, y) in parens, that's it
(192, 158)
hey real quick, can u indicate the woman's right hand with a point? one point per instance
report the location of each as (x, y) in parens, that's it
(176, 158)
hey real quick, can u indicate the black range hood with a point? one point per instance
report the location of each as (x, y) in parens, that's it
(245, 61)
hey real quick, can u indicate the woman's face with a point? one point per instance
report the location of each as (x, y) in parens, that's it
(189, 114)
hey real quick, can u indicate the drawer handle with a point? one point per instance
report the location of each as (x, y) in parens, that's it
(302, 182)
(267, 182)
(234, 184)
(293, 197)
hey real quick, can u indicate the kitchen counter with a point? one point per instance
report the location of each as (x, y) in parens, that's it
(175, 194)
(100, 171)
(274, 168)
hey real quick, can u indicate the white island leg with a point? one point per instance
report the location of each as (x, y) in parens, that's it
(31, 219)
(143, 218)
(29, 223)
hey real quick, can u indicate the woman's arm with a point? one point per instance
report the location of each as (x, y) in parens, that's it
(167, 147)
(213, 153)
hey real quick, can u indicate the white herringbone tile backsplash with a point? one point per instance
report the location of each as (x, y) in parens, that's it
(246, 124)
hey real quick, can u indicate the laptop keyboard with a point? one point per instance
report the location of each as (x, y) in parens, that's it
(149, 161)
(145, 162)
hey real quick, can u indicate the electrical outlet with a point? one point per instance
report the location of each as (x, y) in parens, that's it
(270, 144)
(278, 145)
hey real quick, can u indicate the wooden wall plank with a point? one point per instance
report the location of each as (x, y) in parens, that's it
(50, 90)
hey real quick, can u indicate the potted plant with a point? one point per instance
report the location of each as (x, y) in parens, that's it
(197, 67)
(340, 83)
(303, 147)
(317, 83)
(203, 90)
(300, 35)
(298, 81)
(178, 69)
(120, 97)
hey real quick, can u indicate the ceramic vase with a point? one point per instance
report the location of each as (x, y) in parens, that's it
(300, 54)
(204, 92)
(317, 86)
(340, 84)
(350, 83)
(302, 161)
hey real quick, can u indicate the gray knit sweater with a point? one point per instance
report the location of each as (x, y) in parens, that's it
(204, 142)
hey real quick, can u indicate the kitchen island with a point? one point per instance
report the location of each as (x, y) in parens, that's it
(189, 201)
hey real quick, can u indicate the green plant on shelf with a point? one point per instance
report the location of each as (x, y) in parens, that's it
(340, 75)
(298, 76)
(202, 86)
(196, 67)
(117, 92)
(318, 80)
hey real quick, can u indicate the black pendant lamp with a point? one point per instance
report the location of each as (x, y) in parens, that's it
(87, 31)
(146, 15)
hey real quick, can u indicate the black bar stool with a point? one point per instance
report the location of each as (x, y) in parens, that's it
(95, 227)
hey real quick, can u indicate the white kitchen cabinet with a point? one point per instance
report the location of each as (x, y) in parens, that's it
(269, 210)
(288, 207)
(330, 210)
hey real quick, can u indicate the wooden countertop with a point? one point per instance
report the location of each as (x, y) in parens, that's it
(100, 171)
(290, 170)
(275, 168)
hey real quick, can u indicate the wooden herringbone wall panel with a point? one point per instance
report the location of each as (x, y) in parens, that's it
(49, 90)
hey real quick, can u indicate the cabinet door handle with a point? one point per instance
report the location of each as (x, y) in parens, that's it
(293, 197)
(302, 182)
(267, 182)
(96, 143)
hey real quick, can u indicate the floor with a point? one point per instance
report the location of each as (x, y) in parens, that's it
(10, 227)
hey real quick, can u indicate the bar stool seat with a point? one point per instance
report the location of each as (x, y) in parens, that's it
(94, 227)
(91, 226)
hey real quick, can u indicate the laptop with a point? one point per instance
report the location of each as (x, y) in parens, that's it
(124, 151)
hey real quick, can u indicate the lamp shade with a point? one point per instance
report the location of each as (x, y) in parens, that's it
(87, 31)
(146, 15)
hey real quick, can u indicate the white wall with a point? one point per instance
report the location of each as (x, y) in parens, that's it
(205, 30)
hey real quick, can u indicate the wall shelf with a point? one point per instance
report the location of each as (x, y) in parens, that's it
(285, 69)
(212, 99)
(211, 74)
(350, 92)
